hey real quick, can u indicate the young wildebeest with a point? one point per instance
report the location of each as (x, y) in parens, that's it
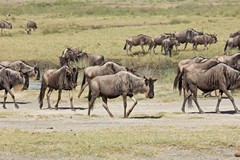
(231, 60)
(94, 71)
(9, 79)
(234, 34)
(219, 77)
(123, 84)
(74, 55)
(22, 67)
(5, 25)
(205, 40)
(231, 43)
(141, 40)
(64, 78)
(31, 25)
(186, 36)
(159, 39)
(168, 44)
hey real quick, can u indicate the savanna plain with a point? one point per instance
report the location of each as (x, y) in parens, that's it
(156, 129)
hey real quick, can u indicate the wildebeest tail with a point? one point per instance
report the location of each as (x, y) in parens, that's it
(83, 81)
(125, 47)
(226, 45)
(180, 82)
(42, 93)
(175, 83)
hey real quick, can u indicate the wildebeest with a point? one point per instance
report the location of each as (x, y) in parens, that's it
(234, 34)
(231, 60)
(183, 64)
(31, 25)
(74, 55)
(231, 43)
(168, 44)
(123, 84)
(5, 25)
(186, 36)
(64, 78)
(159, 39)
(9, 79)
(204, 39)
(23, 67)
(141, 40)
(94, 71)
(219, 77)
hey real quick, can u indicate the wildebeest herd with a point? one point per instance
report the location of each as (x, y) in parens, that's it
(111, 80)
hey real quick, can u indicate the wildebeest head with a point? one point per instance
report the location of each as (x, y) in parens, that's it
(149, 85)
(37, 72)
(26, 81)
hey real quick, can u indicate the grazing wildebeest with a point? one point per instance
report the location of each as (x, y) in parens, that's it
(141, 40)
(234, 34)
(64, 78)
(94, 71)
(74, 55)
(231, 43)
(168, 44)
(123, 84)
(23, 67)
(186, 36)
(31, 25)
(10, 78)
(159, 39)
(231, 60)
(204, 39)
(5, 25)
(219, 77)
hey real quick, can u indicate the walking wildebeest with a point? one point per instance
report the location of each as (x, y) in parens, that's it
(219, 77)
(186, 36)
(123, 84)
(231, 60)
(234, 34)
(168, 44)
(5, 25)
(31, 25)
(159, 39)
(64, 78)
(141, 40)
(23, 67)
(74, 55)
(204, 39)
(94, 71)
(10, 78)
(231, 43)
(196, 64)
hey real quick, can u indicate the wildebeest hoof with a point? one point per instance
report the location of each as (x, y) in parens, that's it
(4, 107)
(237, 111)
(16, 106)
(237, 154)
(218, 112)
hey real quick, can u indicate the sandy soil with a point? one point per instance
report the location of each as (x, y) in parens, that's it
(29, 117)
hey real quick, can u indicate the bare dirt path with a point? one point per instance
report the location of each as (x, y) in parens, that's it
(147, 113)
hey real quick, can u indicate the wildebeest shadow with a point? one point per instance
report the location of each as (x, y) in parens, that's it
(146, 117)
(16, 102)
(65, 108)
(213, 112)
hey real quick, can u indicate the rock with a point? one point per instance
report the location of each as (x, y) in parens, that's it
(237, 154)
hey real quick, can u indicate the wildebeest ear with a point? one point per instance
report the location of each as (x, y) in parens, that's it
(154, 80)
(146, 81)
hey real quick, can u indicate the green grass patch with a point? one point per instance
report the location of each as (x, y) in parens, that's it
(124, 141)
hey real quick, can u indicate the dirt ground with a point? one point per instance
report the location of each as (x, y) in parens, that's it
(148, 112)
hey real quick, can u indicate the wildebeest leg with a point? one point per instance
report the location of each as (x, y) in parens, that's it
(82, 89)
(104, 99)
(91, 102)
(143, 51)
(232, 100)
(48, 97)
(71, 99)
(185, 98)
(185, 45)
(4, 99)
(219, 101)
(194, 91)
(134, 104)
(154, 48)
(59, 97)
(8, 90)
